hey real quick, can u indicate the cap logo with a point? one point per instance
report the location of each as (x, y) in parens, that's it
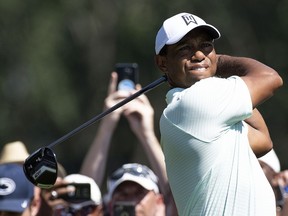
(24, 204)
(7, 186)
(188, 18)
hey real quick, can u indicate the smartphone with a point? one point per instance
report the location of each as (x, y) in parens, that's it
(128, 74)
(124, 209)
(81, 192)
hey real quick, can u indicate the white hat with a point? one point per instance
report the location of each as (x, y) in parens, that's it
(134, 172)
(14, 152)
(95, 191)
(177, 26)
(272, 160)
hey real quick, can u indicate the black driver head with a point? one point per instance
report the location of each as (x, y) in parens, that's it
(41, 168)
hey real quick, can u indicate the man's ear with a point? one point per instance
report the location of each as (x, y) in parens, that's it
(161, 63)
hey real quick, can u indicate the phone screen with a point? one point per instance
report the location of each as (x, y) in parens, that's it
(127, 75)
(81, 192)
(124, 208)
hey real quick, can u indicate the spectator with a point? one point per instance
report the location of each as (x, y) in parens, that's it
(133, 188)
(278, 180)
(16, 152)
(16, 192)
(83, 199)
(140, 116)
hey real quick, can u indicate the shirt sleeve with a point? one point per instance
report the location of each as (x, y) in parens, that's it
(209, 107)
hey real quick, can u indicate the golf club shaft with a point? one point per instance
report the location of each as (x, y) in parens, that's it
(106, 112)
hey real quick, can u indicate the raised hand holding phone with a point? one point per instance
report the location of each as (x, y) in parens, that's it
(128, 74)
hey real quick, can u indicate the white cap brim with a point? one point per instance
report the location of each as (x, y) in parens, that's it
(144, 182)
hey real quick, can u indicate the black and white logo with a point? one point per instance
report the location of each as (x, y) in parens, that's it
(188, 18)
(7, 186)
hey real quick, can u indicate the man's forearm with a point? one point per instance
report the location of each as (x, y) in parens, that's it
(240, 66)
(229, 65)
(261, 80)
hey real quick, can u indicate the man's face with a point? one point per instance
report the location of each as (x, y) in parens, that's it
(191, 59)
(146, 202)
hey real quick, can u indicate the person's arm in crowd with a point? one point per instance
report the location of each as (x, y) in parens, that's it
(281, 180)
(94, 163)
(48, 202)
(140, 116)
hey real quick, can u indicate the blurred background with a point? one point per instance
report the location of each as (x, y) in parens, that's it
(56, 57)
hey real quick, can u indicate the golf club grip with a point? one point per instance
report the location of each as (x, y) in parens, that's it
(106, 112)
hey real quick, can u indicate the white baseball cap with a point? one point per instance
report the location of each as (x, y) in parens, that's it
(134, 172)
(95, 191)
(177, 26)
(16, 191)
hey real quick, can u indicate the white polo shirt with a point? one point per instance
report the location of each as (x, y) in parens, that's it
(211, 168)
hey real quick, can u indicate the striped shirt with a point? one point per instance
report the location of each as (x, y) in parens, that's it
(211, 167)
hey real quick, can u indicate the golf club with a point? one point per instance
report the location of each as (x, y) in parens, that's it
(40, 167)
